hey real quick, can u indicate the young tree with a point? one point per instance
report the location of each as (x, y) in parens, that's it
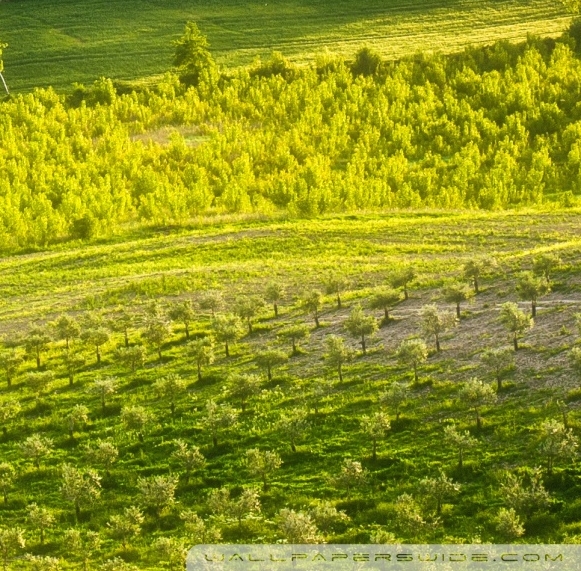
(198, 531)
(409, 518)
(297, 527)
(7, 473)
(293, 426)
(475, 394)
(157, 492)
(352, 475)
(337, 353)
(402, 279)
(103, 453)
(104, 388)
(385, 300)
(156, 333)
(515, 320)
(171, 387)
(461, 441)
(312, 303)
(245, 506)
(11, 540)
(227, 329)
(438, 489)
(73, 364)
(132, 357)
(126, 526)
(83, 546)
(498, 361)
(78, 415)
(327, 517)
(212, 301)
(40, 519)
(525, 499)
(360, 325)
(123, 322)
(275, 293)
(270, 359)
(476, 268)
(509, 525)
(10, 361)
(335, 285)
(367, 62)
(412, 352)
(556, 442)
(9, 410)
(530, 288)
(434, 322)
(97, 337)
(67, 329)
(189, 457)
(396, 394)
(36, 447)
(458, 293)
(202, 351)
(81, 487)
(295, 334)
(219, 418)
(172, 551)
(376, 427)
(545, 264)
(262, 464)
(183, 312)
(36, 342)
(192, 58)
(37, 381)
(247, 308)
(243, 386)
(321, 390)
(136, 418)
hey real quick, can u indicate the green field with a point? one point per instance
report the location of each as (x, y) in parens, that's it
(64, 41)
(239, 257)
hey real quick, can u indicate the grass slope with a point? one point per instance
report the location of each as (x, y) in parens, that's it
(62, 41)
(241, 256)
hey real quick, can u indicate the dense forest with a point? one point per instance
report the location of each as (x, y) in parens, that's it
(489, 128)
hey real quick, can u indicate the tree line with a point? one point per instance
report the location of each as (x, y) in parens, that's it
(492, 127)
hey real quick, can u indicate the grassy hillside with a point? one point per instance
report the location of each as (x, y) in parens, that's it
(239, 257)
(70, 40)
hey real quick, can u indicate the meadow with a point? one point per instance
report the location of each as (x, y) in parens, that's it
(67, 41)
(322, 481)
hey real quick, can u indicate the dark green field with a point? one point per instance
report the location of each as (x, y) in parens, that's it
(59, 42)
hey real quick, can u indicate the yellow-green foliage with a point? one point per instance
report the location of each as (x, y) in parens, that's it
(490, 129)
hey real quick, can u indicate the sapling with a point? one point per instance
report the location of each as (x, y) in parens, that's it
(360, 325)
(275, 293)
(263, 463)
(269, 359)
(515, 320)
(435, 322)
(202, 352)
(337, 354)
(376, 427)
(412, 352)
